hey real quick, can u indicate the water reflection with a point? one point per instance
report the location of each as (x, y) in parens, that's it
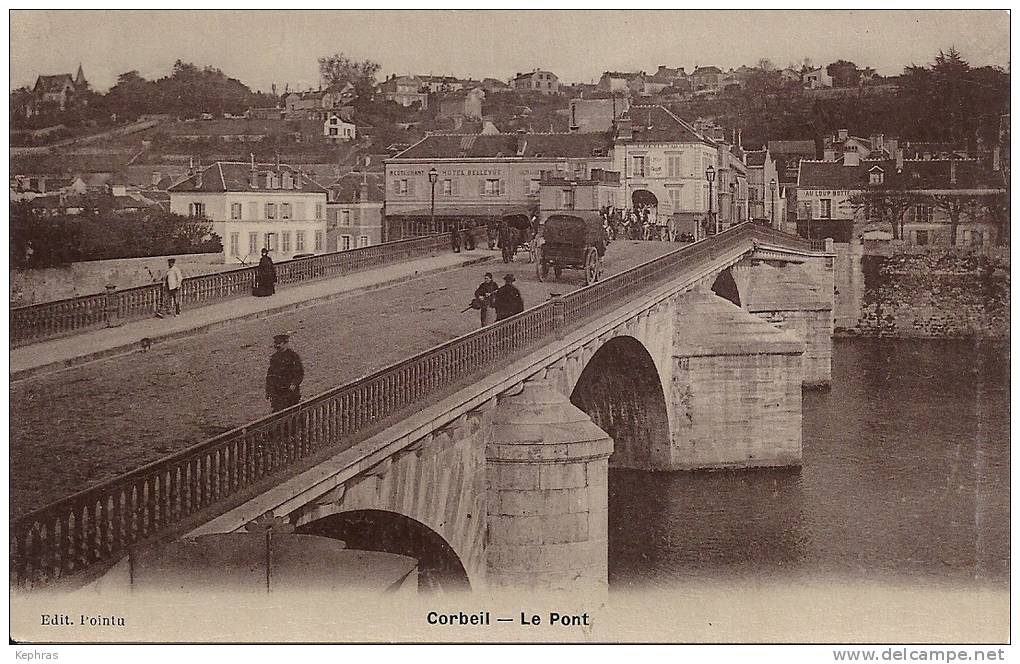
(906, 474)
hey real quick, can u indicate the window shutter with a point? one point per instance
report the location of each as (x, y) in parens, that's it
(396, 186)
(456, 187)
(410, 186)
(481, 187)
(502, 188)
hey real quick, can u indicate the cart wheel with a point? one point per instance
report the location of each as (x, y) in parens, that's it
(558, 271)
(591, 267)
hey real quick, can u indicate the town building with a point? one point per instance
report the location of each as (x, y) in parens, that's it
(58, 92)
(336, 129)
(316, 104)
(561, 194)
(663, 161)
(877, 146)
(465, 104)
(854, 198)
(622, 82)
(790, 75)
(596, 115)
(816, 78)
(762, 176)
(354, 213)
(666, 77)
(254, 206)
(404, 90)
(481, 178)
(538, 80)
(490, 85)
(439, 84)
(706, 78)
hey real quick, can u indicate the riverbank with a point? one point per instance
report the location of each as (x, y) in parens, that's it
(926, 293)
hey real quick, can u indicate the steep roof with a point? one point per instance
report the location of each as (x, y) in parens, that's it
(755, 158)
(348, 187)
(656, 124)
(792, 147)
(235, 176)
(54, 83)
(452, 146)
(916, 174)
(710, 69)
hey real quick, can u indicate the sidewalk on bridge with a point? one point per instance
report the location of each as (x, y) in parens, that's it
(81, 348)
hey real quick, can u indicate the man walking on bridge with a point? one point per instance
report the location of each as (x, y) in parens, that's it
(508, 300)
(172, 281)
(283, 380)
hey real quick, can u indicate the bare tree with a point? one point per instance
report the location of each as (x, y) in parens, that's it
(887, 205)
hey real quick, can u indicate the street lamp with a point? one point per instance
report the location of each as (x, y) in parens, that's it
(433, 178)
(710, 176)
(772, 213)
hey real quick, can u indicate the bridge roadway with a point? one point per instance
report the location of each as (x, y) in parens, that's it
(79, 427)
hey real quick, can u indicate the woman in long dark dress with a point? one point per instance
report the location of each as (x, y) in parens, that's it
(265, 276)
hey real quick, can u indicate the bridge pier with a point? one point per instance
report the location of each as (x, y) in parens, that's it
(789, 297)
(547, 468)
(736, 388)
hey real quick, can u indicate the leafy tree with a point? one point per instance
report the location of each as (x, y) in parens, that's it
(338, 70)
(844, 73)
(887, 204)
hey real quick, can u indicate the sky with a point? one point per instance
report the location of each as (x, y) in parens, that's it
(263, 47)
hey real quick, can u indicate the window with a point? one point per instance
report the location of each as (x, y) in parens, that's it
(270, 210)
(877, 176)
(639, 167)
(333, 131)
(920, 238)
(673, 165)
(196, 209)
(285, 242)
(567, 198)
(318, 241)
(288, 181)
(674, 197)
(825, 205)
(318, 211)
(269, 241)
(253, 243)
(284, 210)
(299, 241)
(491, 188)
(235, 210)
(363, 241)
(235, 244)
(580, 168)
(345, 217)
(402, 187)
(923, 214)
(345, 242)
(447, 187)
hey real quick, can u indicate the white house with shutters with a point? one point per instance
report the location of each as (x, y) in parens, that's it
(254, 206)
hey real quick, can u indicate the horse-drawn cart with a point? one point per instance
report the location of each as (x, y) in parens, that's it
(574, 242)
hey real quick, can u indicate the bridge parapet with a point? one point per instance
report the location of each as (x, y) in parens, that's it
(99, 524)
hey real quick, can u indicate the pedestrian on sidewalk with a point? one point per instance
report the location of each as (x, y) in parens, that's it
(455, 236)
(173, 280)
(483, 297)
(265, 276)
(283, 380)
(508, 300)
(469, 237)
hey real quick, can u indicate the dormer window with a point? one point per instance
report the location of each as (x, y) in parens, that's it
(288, 180)
(876, 175)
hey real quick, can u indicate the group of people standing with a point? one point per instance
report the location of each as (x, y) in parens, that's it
(497, 302)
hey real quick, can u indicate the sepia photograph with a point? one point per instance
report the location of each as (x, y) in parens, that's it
(574, 326)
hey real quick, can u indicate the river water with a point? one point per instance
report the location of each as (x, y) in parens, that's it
(905, 476)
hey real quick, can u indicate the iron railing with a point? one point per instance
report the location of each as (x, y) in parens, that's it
(50, 320)
(100, 523)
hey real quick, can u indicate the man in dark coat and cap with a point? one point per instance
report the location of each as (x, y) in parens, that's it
(507, 299)
(283, 380)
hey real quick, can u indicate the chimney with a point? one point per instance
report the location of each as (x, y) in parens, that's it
(198, 180)
(842, 135)
(740, 138)
(952, 171)
(191, 166)
(995, 159)
(899, 160)
(892, 145)
(851, 158)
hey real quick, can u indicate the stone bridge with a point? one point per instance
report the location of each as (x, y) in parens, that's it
(501, 480)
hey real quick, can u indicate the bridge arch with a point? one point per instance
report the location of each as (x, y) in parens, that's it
(621, 390)
(439, 566)
(725, 286)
